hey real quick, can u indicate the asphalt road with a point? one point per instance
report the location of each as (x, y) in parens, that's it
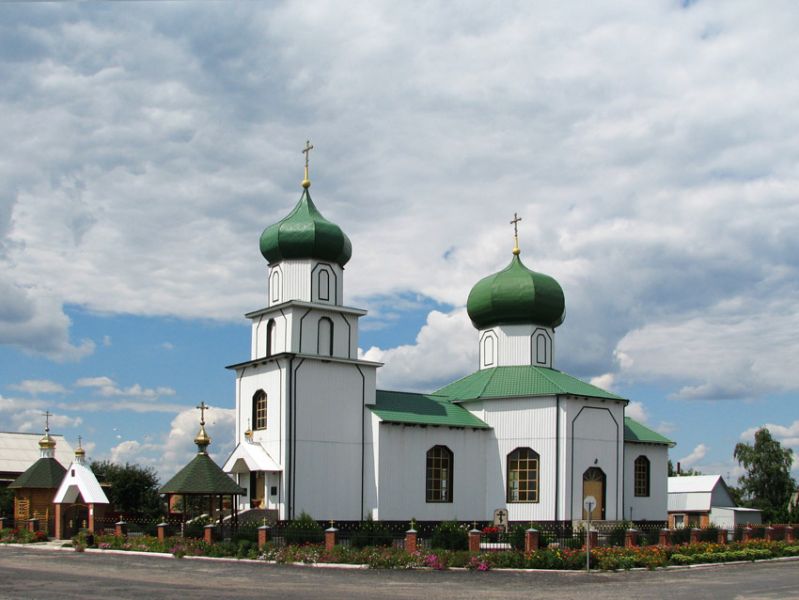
(47, 574)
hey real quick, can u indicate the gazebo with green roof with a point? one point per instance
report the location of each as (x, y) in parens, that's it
(204, 481)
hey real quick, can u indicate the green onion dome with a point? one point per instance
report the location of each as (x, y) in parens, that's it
(516, 295)
(305, 233)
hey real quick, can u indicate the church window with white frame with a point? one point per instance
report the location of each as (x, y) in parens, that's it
(438, 481)
(259, 410)
(642, 476)
(523, 472)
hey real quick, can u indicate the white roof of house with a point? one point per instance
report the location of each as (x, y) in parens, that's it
(697, 493)
(80, 479)
(18, 451)
(250, 456)
(693, 483)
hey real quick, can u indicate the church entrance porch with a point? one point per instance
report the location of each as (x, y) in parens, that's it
(594, 485)
(74, 518)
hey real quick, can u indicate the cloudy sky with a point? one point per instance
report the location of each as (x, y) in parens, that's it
(650, 148)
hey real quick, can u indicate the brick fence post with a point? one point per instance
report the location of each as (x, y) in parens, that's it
(664, 538)
(789, 533)
(410, 540)
(161, 527)
(209, 532)
(769, 534)
(330, 538)
(631, 538)
(2, 522)
(531, 540)
(121, 529)
(722, 539)
(474, 540)
(746, 534)
(695, 535)
(263, 536)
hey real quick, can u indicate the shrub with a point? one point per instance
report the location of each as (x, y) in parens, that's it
(449, 535)
(616, 535)
(371, 533)
(304, 531)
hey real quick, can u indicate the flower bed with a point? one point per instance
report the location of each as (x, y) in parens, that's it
(604, 558)
(21, 536)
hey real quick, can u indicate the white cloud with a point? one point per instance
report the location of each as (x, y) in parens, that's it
(26, 415)
(106, 386)
(696, 455)
(38, 386)
(446, 347)
(636, 411)
(172, 452)
(606, 381)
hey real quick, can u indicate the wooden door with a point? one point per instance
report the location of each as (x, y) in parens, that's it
(594, 485)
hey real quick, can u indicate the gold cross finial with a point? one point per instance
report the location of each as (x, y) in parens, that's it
(306, 183)
(203, 407)
(80, 440)
(515, 223)
(47, 414)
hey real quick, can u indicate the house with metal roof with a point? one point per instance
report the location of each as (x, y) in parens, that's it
(19, 450)
(315, 435)
(704, 500)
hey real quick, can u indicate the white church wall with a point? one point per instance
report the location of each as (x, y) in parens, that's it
(270, 378)
(312, 339)
(295, 281)
(402, 473)
(280, 336)
(327, 284)
(595, 438)
(372, 465)
(519, 423)
(516, 345)
(654, 506)
(326, 451)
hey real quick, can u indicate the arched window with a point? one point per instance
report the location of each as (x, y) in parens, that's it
(270, 337)
(259, 410)
(642, 476)
(438, 483)
(323, 284)
(541, 349)
(488, 350)
(523, 472)
(325, 337)
(274, 285)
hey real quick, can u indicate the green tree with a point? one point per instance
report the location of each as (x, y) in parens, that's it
(767, 484)
(131, 489)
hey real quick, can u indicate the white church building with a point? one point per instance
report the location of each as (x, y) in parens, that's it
(314, 434)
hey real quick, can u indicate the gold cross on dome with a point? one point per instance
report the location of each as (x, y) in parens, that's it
(47, 414)
(515, 223)
(203, 407)
(80, 441)
(306, 183)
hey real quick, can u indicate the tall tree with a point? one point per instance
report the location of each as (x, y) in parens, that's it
(132, 489)
(767, 484)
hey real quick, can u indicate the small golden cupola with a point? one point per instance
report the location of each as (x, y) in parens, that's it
(203, 440)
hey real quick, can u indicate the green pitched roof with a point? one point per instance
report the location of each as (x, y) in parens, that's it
(422, 409)
(508, 382)
(201, 476)
(635, 432)
(45, 473)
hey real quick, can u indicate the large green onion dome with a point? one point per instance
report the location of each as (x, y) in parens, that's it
(516, 295)
(305, 233)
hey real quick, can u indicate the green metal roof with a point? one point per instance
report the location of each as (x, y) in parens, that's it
(305, 233)
(422, 409)
(201, 476)
(636, 432)
(516, 295)
(45, 473)
(508, 382)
